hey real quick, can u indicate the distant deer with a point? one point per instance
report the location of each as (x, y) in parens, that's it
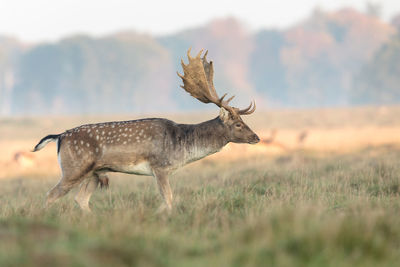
(301, 137)
(154, 147)
(271, 140)
(24, 159)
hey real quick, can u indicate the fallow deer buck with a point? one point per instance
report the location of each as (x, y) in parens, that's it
(153, 147)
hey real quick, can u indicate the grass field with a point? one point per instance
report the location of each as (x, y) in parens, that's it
(298, 207)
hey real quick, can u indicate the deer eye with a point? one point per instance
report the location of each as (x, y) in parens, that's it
(238, 125)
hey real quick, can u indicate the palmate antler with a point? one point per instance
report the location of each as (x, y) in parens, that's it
(198, 81)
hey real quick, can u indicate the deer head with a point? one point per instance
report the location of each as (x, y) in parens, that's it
(198, 81)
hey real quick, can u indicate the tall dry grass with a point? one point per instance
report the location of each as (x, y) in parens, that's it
(293, 210)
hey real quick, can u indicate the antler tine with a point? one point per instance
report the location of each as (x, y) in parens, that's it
(225, 104)
(253, 109)
(205, 55)
(222, 98)
(199, 54)
(229, 100)
(243, 111)
(250, 109)
(180, 75)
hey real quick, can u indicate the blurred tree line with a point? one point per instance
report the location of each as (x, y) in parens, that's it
(331, 59)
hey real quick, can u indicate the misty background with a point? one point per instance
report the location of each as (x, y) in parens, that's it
(336, 58)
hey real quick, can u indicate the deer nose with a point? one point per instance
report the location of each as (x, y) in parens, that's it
(256, 139)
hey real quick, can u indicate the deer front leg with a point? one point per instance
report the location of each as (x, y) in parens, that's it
(164, 187)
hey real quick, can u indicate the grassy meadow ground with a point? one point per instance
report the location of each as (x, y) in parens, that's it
(332, 199)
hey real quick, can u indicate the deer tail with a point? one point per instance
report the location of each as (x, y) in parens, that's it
(45, 140)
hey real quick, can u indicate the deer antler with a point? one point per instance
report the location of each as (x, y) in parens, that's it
(198, 82)
(250, 109)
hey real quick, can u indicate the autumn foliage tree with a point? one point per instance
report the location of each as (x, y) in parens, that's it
(337, 58)
(379, 80)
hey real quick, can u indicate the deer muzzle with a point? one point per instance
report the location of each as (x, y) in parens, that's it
(254, 139)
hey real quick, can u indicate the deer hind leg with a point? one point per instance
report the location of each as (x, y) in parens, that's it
(67, 182)
(61, 189)
(164, 187)
(86, 190)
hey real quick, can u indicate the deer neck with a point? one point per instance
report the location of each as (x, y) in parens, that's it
(204, 139)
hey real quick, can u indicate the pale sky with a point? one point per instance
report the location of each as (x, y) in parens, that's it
(50, 20)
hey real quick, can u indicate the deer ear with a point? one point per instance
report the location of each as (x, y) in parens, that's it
(224, 115)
